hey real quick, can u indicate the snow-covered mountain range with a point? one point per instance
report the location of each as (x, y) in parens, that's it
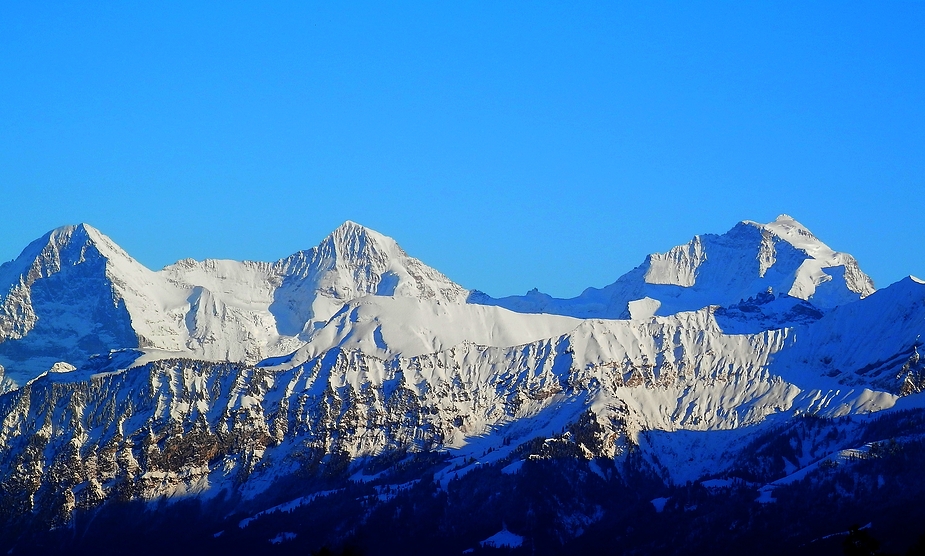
(226, 380)
(74, 293)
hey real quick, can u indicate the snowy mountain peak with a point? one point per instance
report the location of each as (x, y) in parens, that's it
(789, 258)
(349, 226)
(63, 247)
(779, 258)
(63, 299)
(822, 256)
(69, 233)
(351, 262)
(354, 244)
(67, 246)
(74, 293)
(788, 229)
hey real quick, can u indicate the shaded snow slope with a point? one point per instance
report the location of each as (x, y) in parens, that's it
(782, 258)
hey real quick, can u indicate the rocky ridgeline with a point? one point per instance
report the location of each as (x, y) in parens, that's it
(176, 427)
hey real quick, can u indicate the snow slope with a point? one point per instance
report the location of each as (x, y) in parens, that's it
(183, 427)
(389, 326)
(876, 341)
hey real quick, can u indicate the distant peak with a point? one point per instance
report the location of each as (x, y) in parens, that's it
(798, 235)
(90, 229)
(783, 221)
(350, 225)
(69, 230)
(95, 236)
(916, 279)
(77, 237)
(351, 228)
(357, 242)
(786, 221)
(67, 234)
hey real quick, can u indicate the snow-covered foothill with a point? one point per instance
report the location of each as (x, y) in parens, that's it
(389, 326)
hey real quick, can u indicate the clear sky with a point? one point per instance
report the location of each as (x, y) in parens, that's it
(510, 145)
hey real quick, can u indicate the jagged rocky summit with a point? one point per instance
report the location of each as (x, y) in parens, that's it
(234, 382)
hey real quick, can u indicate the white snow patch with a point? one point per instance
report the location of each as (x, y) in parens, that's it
(387, 492)
(766, 495)
(503, 539)
(360, 477)
(596, 469)
(288, 506)
(717, 483)
(62, 367)
(283, 537)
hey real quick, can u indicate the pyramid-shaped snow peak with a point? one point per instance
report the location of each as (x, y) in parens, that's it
(354, 261)
(351, 262)
(61, 247)
(78, 250)
(780, 257)
(67, 296)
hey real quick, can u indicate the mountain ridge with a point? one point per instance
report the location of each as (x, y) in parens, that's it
(214, 309)
(355, 373)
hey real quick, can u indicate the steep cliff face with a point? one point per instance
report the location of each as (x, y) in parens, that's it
(63, 299)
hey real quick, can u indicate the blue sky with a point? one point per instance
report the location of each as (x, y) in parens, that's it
(510, 145)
